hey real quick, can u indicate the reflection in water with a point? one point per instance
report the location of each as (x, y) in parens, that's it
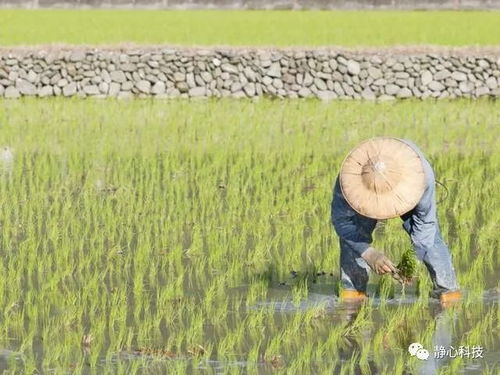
(328, 302)
(441, 337)
(350, 347)
(442, 319)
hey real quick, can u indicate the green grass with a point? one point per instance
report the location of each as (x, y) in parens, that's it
(253, 28)
(153, 236)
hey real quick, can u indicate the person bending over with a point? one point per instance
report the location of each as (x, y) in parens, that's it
(384, 178)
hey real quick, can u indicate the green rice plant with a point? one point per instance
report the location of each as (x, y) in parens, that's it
(385, 288)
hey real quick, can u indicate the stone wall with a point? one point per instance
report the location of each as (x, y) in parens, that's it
(257, 4)
(170, 73)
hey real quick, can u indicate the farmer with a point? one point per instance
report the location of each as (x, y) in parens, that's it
(380, 179)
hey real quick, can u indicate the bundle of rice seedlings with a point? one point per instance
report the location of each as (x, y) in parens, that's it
(407, 266)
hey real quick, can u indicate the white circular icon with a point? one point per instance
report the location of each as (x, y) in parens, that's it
(422, 354)
(413, 348)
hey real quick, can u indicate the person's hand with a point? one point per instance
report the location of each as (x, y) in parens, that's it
(398, 277)
(379, 262)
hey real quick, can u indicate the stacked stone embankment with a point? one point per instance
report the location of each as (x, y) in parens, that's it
(183, 73)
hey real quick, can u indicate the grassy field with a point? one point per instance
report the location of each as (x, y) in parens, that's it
(153, 236)
(278, 28)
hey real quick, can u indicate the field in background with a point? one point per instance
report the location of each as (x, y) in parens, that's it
(252, 28)
(195, 235)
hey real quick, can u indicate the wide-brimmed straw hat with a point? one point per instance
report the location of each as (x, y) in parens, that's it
(382, 178)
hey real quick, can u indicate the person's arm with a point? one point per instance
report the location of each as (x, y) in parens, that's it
(356, 231)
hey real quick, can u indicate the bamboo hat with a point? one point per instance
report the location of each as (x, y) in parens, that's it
(382, 178)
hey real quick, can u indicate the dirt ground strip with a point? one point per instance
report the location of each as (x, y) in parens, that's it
(490, 51)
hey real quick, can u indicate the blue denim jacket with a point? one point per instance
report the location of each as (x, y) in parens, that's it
(420, 223)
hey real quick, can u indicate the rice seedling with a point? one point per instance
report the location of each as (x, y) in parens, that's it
(385, 288)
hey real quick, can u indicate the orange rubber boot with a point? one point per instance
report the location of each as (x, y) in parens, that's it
(352, 295)
(450, 298)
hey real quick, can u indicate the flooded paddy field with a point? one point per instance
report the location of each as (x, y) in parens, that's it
(147, 237)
